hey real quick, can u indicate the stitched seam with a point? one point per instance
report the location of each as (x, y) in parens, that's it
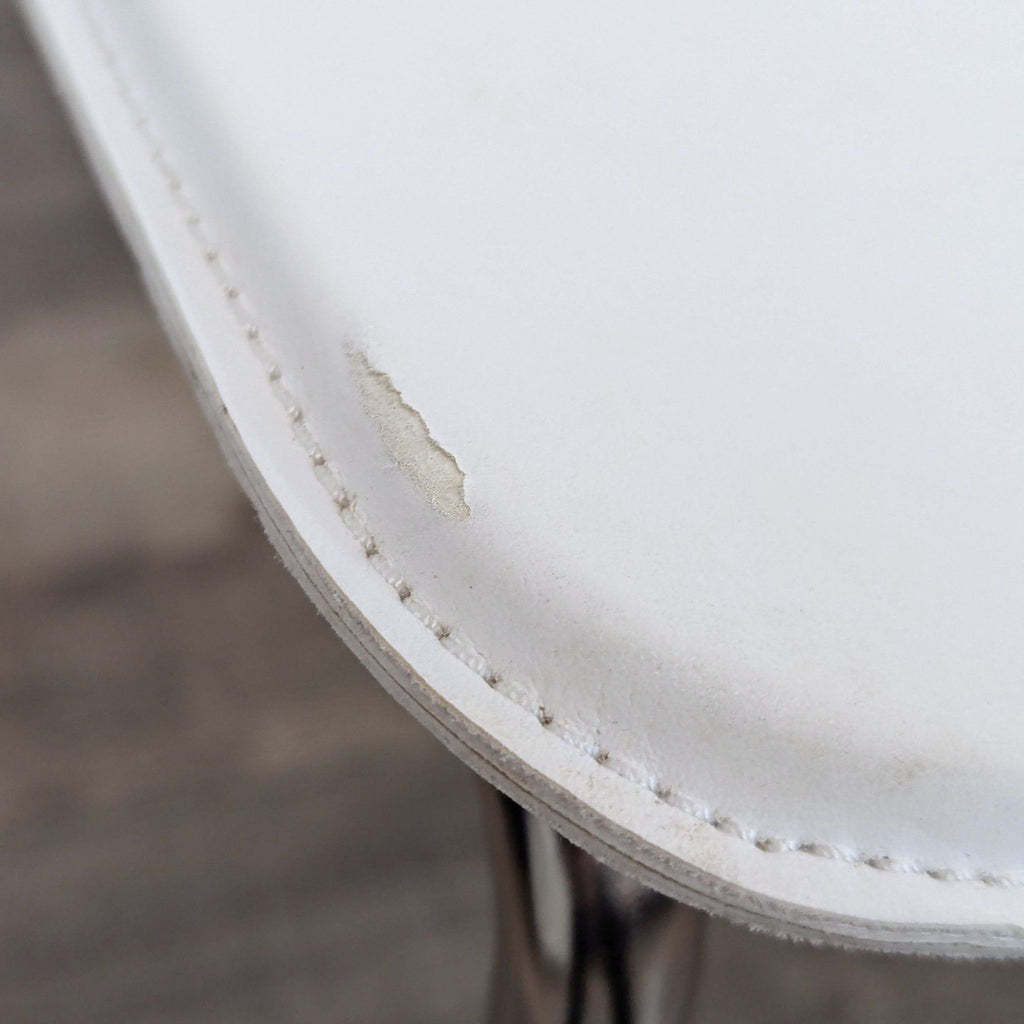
(449, 637)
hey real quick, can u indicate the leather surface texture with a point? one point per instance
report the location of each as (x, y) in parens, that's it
(642, 384)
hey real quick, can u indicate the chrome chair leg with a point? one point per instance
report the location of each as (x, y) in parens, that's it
(579, 943)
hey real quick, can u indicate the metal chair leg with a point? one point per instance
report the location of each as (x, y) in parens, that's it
(577, 942)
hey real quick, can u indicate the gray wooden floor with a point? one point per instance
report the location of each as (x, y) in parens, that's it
(208, 812)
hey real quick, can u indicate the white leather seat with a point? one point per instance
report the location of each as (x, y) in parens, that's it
(640, 389)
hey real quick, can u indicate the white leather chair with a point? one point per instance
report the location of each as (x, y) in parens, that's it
(638, 390)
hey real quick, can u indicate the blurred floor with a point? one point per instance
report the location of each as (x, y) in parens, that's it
(208, 811)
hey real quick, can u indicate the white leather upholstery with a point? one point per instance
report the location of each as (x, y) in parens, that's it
(667, 361)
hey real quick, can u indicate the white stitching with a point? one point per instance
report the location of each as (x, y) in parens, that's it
(454, 642)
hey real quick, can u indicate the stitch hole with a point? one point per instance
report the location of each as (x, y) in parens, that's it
(273, 372)
(993, 881)
(211, 255)
(659, 789)
(342, 501)
(600, 755)
(544, 716)
(729, 826)
(231, 291)
(316, 457)
(441, 631)
(370, 547)
(403, 591)
(881, 863)
(768, 844)
(492, 679)
(252, 331)
(816, 849)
